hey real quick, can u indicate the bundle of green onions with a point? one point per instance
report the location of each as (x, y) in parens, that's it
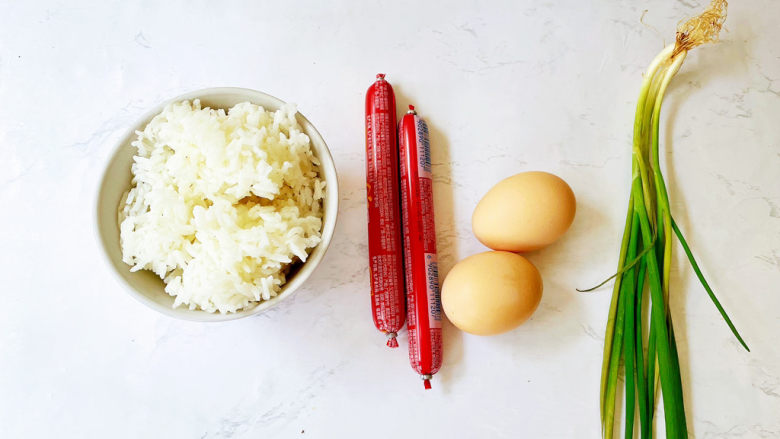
(650, 357)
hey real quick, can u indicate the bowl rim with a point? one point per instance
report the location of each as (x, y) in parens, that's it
(291, 286)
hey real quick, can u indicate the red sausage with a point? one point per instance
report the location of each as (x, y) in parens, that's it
(422, 272)
(384, 218)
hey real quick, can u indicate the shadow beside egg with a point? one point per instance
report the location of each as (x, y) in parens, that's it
(559, 320)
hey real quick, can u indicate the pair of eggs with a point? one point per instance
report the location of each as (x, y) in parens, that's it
(496, 291)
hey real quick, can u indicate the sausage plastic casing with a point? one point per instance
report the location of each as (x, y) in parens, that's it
(422, 271)
(384, 217)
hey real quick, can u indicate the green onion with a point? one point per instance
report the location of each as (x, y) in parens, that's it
(645, 262)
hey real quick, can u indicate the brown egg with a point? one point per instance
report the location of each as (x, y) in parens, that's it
(491, 292)
(524, 212)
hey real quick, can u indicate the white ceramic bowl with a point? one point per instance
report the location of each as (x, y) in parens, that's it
(145, 285)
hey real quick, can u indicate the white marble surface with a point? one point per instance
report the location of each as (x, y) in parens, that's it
(506, 88)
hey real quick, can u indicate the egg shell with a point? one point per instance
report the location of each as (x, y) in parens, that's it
(491, 292)
(524, 212)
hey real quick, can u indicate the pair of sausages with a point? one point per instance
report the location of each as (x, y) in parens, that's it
(401, 233)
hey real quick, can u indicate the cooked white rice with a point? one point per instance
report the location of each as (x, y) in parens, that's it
(221, 204)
